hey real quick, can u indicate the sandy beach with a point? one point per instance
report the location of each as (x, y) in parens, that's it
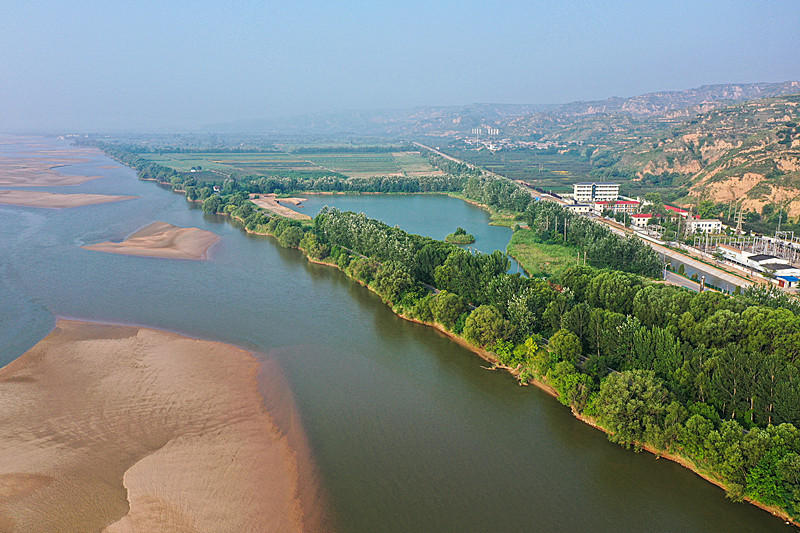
(161, 239)
(52, 200)
(123, 428)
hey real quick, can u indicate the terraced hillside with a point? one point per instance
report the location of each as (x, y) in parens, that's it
(748, 151)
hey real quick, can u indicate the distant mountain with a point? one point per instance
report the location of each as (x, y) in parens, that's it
(663, 103)
(513, 119)
(433, 120)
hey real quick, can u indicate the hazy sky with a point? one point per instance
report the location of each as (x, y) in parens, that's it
(171, 64)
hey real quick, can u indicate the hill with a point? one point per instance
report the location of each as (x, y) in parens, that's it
(747, 152)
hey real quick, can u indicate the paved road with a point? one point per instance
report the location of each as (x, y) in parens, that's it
(708, 270)
(674, 279)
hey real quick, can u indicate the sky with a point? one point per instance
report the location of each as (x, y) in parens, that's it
(163, 66)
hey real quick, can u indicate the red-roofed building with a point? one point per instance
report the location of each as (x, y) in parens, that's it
(619, 206)
(677, 211)
(641, 220)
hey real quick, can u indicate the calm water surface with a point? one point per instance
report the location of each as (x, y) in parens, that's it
(424, 214)
(408, 431)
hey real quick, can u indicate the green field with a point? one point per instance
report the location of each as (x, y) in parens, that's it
(543, 168)
(351, 164)
(540, 260)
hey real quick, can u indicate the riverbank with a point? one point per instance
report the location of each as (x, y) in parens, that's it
(272, 203)
(691, 466)
(135, 429)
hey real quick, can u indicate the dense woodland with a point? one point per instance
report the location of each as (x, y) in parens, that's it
(710, 377)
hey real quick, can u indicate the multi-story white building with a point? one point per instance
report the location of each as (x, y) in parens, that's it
(595, 192)
(704, 225)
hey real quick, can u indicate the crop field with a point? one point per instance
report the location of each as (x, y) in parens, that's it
(414, 164)
(357, 165)
(352, 164)
(541, 168)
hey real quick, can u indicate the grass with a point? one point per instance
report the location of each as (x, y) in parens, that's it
(540, 260)
(355, 164)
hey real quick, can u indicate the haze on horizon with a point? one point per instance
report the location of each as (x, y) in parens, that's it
(104, 66)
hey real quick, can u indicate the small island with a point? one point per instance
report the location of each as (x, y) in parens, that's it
(460, 236)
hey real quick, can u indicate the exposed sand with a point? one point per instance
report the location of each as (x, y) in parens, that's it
(47, 199)
(270, 203)
(122, 428)
(160, 239)
(36, 167)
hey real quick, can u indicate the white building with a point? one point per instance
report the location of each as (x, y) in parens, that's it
(581, 209)
(641, 220)
(782, 273)
(704, 225)
(620, 206)
(595, 192)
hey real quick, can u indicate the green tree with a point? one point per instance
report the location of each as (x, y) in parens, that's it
(566, 346)
(212, 204)
(291, 237)
(485, 326)
(632, 405)
(446, 308)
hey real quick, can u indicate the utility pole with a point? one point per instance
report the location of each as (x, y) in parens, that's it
(739, 221)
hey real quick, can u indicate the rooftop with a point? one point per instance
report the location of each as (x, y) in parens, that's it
(675, 209)
(778, 266)
(761, 257)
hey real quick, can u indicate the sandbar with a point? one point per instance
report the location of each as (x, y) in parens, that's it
(161, 239)
(38, 169)
(271, 203)
(52, 200)
(124, 428)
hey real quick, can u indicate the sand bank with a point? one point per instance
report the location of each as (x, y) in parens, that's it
(271, 203)
(122, 428)
(160, 239)
(47, 199)
(37, 167)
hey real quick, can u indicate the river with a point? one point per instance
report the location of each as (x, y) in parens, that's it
(408, 431)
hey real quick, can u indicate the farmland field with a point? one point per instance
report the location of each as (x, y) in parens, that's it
(541, 168)
(351, 164)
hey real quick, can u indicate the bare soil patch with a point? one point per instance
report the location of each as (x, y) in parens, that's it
(271, 203)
